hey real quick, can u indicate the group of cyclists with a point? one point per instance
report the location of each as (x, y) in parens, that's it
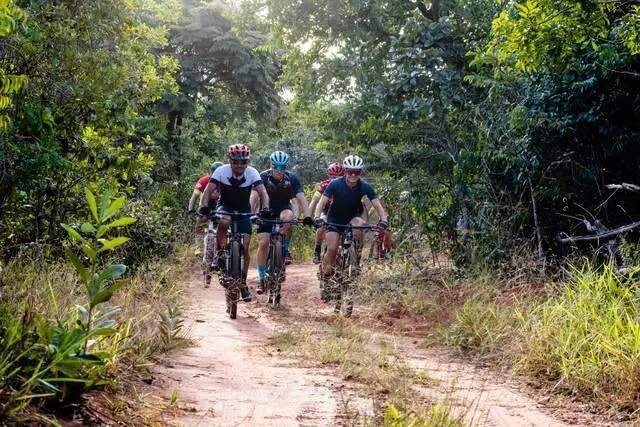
(277, 193)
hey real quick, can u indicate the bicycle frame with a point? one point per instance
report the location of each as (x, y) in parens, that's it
(275, 277)
(232, 270)
(347, 266)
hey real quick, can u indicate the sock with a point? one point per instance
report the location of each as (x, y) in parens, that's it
(262, 271)
(286, 244)
(318, 247)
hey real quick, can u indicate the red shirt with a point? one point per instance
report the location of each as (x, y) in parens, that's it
(202, 183)
(322, 185)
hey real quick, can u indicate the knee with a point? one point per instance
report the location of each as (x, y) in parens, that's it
(357, 221)
(286, 215)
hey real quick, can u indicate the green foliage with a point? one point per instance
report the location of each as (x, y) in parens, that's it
(588, 338)
(62, 355)
(10, 17)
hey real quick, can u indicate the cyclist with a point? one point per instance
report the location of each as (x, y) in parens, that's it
(282, 187)
(195, 200)
(346, 208)
(234, 182)
(200, 186)
(334, 170)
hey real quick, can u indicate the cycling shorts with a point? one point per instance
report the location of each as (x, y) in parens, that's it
(266, 228)
(244, 221)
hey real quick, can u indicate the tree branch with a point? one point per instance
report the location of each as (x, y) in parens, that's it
(602, 236)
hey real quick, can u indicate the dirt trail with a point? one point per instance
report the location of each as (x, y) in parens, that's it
(226, 378)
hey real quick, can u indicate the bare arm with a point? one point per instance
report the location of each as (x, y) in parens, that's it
(210, 191)
(380, 209)
(321, 204)
(194, 198)
(314, 201)
(254, 201)
(264, 197)
(304, 205)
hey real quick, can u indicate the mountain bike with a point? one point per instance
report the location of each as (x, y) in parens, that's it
(275, 260)
(231, 262)
(209, 251)
(346, 269)
(377, 250)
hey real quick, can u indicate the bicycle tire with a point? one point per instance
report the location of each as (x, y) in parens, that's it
(236, 276)
(209, 251)
(277, 270)
(353, 269)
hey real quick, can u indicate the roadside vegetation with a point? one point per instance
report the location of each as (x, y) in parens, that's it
(500, 135)
(375, 366)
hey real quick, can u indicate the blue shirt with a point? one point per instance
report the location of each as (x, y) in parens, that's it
(347, 201)
(280, 192)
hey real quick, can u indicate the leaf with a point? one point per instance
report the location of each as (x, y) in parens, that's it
(112, 272)
(112, 244)
(105, 200)
(80, 268)
(84, 315)
(87, 228)
(101, 332)
(73, 234)
(121, 222)
(89, 252)
(114, 207)
(91, 201)
(105, 294)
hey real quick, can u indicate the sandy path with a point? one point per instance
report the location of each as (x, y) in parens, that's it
(228, 380)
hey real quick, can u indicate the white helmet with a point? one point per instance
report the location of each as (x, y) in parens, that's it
(352, 162)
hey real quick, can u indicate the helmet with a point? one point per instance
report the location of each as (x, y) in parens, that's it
(335, 170)
(239, 152)
(352, 162)
(215, 165)
(279, 159)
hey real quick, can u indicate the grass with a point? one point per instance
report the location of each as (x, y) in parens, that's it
(583, 338)
(38, 295)
(372, 363)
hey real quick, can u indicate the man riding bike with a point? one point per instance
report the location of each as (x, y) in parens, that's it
(234, 182)
(194, 201)
(282, 186)
(346, 208)
(334, 170)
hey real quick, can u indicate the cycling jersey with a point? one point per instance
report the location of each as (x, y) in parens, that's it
(280, 192)
(235, 190)
(320, 188)
(202, 183)
(322, 185)
(347, 201)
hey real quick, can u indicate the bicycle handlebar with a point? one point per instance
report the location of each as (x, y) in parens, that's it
(354, 227)
(218, 213)
(279, 221)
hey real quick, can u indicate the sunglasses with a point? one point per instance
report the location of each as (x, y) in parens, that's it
(355, 172)
(278, 168)
(239, 162)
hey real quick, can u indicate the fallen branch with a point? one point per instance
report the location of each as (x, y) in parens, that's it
(602, 236)
(623, 186)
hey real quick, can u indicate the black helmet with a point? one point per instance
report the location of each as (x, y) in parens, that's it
(215, 165)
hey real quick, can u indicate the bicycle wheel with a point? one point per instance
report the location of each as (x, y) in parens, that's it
(236, 278)
(277, 273)
(352, 268)
(207, 257)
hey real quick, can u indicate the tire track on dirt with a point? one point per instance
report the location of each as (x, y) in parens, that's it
(227, 379)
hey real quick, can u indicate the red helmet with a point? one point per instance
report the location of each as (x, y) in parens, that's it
(335, 170)
(239, 152)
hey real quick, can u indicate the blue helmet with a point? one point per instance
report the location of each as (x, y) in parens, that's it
(215, 165)
(279, 160)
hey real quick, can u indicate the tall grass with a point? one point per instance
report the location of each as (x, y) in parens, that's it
(38, 302)
(584, 337)
(588, 337)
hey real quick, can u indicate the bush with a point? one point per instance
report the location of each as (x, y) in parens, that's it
(588, 338)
